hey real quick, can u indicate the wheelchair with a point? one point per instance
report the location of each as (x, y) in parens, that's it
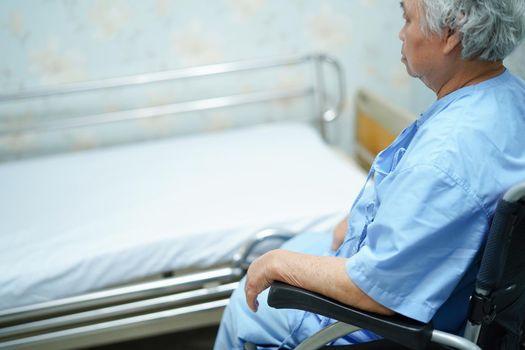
(497, 305)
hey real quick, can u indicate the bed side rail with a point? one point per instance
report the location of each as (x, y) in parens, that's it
(325, 110)
(114, 296)
(127, 328)
(171, 304)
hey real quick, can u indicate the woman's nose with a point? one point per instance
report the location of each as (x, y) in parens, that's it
(401, 34)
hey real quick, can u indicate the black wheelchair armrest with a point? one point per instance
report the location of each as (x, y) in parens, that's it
(402, 330)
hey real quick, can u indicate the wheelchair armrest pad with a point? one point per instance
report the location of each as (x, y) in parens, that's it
(402, 330)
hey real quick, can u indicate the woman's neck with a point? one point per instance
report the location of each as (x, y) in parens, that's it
(470, 73)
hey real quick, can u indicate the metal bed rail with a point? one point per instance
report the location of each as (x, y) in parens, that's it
(123, 313)
(325, 111)
(117, 295)
(142, 306)
(132, 327)
(175, 312)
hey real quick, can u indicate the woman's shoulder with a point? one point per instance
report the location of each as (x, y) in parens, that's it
(472, 128)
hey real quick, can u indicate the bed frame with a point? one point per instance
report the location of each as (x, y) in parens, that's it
(180, 300)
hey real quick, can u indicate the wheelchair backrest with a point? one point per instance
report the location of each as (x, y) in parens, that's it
(501, 278)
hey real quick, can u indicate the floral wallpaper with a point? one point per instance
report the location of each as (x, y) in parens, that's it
(47, 42)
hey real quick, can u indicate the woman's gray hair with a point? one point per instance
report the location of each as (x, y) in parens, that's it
(490, 29)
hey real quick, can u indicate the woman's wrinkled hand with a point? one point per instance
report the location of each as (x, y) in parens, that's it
(339, 233)
(259, 277)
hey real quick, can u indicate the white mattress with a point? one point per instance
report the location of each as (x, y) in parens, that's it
(79, 222)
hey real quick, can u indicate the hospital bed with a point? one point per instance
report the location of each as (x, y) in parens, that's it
(136, 239)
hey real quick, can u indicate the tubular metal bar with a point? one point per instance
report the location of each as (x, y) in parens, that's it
(240, 259)
(157, 111)
(325, 113)
(149, 78)
(472, 331)
(515, 193)
(326, 335)
(331, 114)
(453, 341)
(117, 295)
(119, 311)
(320, 96)
(127, 328)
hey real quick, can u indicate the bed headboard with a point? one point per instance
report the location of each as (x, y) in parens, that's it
(26, 117)
(377, 124)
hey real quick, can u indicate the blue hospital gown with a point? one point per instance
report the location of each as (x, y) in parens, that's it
(415, 230)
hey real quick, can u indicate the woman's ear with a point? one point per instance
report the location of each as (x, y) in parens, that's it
(452, 41)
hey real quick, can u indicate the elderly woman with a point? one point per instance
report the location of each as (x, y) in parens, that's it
(410, 241)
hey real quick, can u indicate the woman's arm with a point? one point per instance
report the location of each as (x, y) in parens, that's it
(321, 274)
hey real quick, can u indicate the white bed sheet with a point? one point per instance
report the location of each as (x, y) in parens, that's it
(78, 222)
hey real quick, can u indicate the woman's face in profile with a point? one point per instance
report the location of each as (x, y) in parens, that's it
(420, 52)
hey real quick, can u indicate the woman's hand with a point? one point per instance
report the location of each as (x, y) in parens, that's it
(339, 234)
(258, 278)
(276, 265)
(321, 274)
